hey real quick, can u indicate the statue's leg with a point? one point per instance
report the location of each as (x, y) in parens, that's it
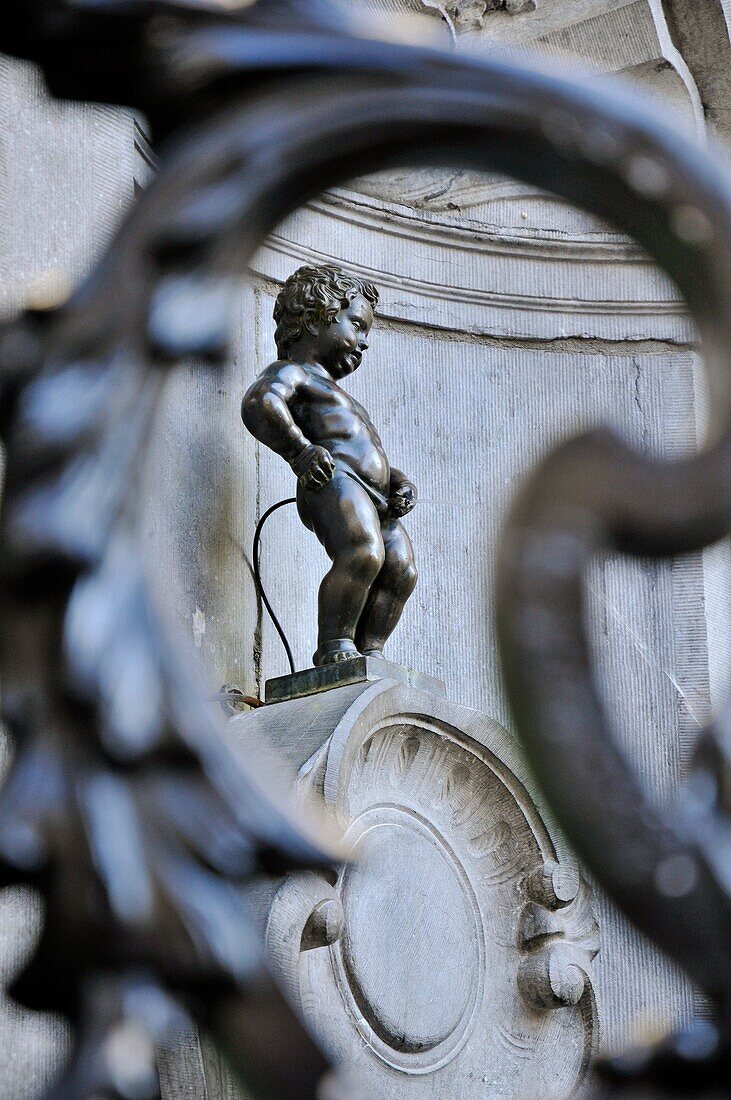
(345, 521)
(390, 591)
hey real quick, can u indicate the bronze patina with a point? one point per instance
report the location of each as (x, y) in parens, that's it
(347, 491)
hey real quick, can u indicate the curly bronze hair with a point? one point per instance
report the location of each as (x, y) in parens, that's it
(312, 297)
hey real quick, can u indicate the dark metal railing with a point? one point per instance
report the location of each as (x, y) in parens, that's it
(255, 109)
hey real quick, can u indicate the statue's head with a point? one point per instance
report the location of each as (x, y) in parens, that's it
(324, 312)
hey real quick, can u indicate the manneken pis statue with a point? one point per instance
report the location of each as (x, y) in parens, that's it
(347, 492)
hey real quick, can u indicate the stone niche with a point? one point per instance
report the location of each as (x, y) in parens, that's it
(452, 954)
(508, 321)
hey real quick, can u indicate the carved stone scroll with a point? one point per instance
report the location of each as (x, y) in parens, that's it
(455, 944)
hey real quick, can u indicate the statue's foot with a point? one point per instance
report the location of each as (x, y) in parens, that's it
(374, 653)
(330, 653)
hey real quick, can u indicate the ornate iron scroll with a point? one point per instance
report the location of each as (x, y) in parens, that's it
(262, 105)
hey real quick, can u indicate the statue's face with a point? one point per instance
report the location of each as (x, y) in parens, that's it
(340, 346)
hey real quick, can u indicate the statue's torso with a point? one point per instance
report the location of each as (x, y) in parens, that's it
(332, 418)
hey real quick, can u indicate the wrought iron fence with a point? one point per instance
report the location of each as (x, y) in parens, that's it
(124, 806)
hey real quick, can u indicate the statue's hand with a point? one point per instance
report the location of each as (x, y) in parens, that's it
(402, 499)
(314, 466)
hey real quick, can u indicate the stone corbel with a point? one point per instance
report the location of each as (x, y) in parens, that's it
(454, 919)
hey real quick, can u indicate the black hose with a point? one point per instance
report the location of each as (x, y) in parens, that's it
(256, 552)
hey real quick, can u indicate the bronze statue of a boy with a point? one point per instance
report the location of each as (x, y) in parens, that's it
(347, 492)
